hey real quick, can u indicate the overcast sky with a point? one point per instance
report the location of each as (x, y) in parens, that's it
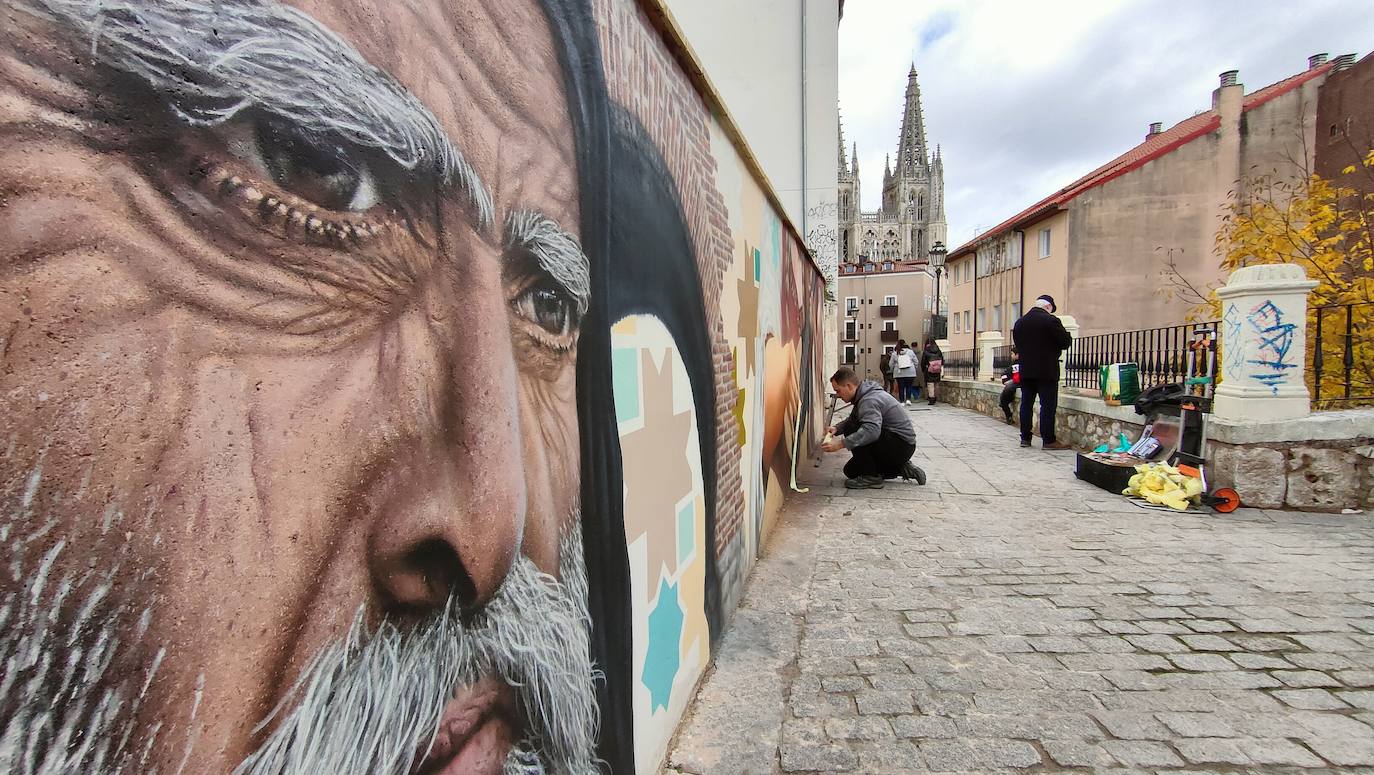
(1024, 97)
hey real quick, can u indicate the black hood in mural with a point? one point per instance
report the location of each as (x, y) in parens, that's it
(635, 233)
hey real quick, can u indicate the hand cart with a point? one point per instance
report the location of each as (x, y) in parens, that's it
(1196, 404)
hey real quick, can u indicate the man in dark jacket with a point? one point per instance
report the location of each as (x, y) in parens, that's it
(1040, 338)
(877, 433)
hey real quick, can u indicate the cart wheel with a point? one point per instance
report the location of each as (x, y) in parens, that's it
(1225, 500)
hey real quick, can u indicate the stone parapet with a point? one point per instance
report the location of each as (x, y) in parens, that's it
(1321, 462)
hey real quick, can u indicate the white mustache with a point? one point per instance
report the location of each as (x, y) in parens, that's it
(371, 703)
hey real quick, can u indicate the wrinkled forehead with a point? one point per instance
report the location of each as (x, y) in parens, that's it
(489, 72)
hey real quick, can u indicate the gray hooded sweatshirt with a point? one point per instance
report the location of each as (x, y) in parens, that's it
(875, 410)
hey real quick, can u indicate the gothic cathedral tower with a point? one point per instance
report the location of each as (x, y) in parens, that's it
(912, 217)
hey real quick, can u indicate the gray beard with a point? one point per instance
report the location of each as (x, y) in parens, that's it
(368, 703)
(372, 703)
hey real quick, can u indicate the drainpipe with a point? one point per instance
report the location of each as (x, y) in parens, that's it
(1021, 294)
(804, 231)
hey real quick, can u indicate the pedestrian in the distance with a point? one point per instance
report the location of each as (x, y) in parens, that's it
(885, 366)
(904, 365)
(1040, 338)
(1011, 380)
(932, 365)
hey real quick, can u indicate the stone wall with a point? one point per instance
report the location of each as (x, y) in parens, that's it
(1324, 462)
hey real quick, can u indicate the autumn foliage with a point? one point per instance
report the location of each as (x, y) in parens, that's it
(1328, 229)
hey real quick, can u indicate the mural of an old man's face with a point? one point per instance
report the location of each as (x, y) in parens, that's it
(290, 300)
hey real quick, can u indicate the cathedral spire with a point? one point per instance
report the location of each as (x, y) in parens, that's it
(844, 168)
(911, 147)
(854, 165)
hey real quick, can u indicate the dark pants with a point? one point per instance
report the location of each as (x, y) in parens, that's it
(884, 457)
(906, 388)
(1008, 395)
(1048, 391)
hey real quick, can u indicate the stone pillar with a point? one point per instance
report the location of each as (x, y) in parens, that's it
(987, 342)
(944, 345)
(1070, 325)
(1264, 344)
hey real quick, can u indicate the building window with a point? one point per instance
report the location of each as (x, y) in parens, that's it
(868, 267)
(956, 322)
(889, 325)
(997, 317)
(1015, 311)
(925, 325)
(925, 301)
(851, 329)
(851, 305)
(982, 318)
(1044, 243)
(887, 349)
(889, 301)
(850, 354)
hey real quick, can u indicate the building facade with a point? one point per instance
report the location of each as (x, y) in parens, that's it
(1103, 245)
(879, 308)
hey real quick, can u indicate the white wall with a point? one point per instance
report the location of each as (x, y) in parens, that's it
(752, 52)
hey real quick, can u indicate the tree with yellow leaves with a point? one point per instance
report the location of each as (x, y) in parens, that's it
(1328, 229)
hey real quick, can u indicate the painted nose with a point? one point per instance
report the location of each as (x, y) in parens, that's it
(454, 515)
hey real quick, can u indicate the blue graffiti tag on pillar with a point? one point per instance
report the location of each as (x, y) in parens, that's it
(1275, 339)
(1234, 353)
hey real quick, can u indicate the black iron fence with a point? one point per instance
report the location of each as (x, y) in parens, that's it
(1160, 353)
(960, 364)
(1342, 343)
(1001, 359)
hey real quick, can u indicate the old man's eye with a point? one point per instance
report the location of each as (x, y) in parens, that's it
(548, 307)
(316, 168)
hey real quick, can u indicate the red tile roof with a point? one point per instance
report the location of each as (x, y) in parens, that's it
(1154, 147)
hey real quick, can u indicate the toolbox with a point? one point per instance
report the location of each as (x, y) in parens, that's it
(1111, 472)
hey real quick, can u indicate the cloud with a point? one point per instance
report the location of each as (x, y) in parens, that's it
(1023, 98)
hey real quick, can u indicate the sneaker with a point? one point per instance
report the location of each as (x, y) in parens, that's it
(864, 483)
(1025, 442)
(1055, 445)
(1008, 420)
(910, 472)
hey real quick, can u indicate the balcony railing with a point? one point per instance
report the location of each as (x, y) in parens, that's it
(1161, 354)
(888, 336)
(887, 311)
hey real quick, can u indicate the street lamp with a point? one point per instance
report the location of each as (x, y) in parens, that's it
(937, 262)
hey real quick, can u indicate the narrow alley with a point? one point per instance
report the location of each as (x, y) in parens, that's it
(1008, 617)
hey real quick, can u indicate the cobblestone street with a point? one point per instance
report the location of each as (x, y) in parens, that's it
(1007, 616)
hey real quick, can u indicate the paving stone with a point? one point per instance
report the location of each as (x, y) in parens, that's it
(1076, 753)
(1309, 699)
(1202, 662)
(1065, 726)
(1277, 751)
(1196, 724)
(925, 630)
(884, 703)
(1207, 643)
(1133, 726)
(1344, 751)
(803, 757)
(1163, 644)
(1305, 679)
(1139, 753)
(1360, 699)
(1317, 661)
(1211, 751)
(923, 727)
(977, 755)
(842, 683)
(1260, 661)
(867, 728)
(1209, 625)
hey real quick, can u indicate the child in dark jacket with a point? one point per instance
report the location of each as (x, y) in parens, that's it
(1011, 380)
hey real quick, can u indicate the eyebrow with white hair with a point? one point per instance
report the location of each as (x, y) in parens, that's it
(214, 59)
(557, 252)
